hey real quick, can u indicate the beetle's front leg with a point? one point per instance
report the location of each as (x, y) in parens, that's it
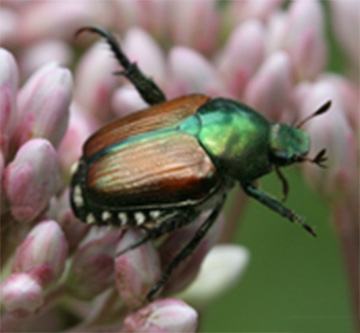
(276, 206)
(147, 88)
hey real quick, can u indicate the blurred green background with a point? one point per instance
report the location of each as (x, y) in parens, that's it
(293, 283)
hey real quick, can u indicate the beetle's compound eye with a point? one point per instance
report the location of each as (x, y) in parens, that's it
(287, 144)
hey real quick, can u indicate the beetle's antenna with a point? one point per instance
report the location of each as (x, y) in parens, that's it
(147, 88)
(322, 109)
(285, 185)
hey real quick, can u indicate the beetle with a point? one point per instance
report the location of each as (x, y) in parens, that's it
(160, 168)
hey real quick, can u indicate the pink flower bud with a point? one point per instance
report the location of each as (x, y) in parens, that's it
(136, 270)
(185, 273)
(346, 25)
(270, 88)
(31, 179)
(166, 315)
(127, 100)
(194, 24)
(221, 269)
(60, 19)
(92, 269)
(9, 22)
(242, 56)
(192, 72)
(332, 132)
(9, 78)
(43, 252)
(240, 11)
(95, 81)
(44, 52)
(70, 148)
(73, 228)
(141, 48)
(21, 295)
(306, 42)
(44, 105)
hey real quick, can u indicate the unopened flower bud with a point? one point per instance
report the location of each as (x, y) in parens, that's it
(43, 52)
(21, 295)
(127, 100)
(43, 105)
(137, 270)
(306, 42)
(220, 270)
(92, 269)
(192, 72)
(9, 78)
(242, 55)
(166, 315)
(31, 179)
(72, 227)
(43, 252)
(270, 88)
(95, 84)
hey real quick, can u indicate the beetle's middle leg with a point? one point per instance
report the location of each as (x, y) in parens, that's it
(147, 88)
(188, 249)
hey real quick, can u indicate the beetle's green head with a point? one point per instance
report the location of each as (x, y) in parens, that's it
(288, 144)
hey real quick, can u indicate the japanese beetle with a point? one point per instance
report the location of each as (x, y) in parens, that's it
(159, 168)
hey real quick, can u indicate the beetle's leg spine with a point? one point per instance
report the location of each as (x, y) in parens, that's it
(276, 206)
(147, 88)
(188, 249)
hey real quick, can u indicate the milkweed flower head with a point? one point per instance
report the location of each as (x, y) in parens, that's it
(265, 55)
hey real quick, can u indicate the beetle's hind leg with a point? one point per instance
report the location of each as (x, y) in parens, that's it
(188, 249)
(147, 88)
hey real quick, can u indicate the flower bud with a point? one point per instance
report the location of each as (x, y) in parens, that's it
(127, 100)
(137, 270)
(9, 78)
(346, 25)
(270, 88)
(95, 82)
(194, 24)
(70, 148)
(220, 270)
(92, 269)
(43, 52)
(306, 42)
(43, 252)
(44, 105)
(185, 273)
(72, 227)
(31, 179)
(166, 315)
(332, 132)
(141, 48)
(21, 295)
(192, 72)
(243, 54)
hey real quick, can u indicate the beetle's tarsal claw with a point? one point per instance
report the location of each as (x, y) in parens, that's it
(320, 158)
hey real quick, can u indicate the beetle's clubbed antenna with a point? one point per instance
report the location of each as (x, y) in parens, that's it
(285, 185)
(322, 109)
(147, 88)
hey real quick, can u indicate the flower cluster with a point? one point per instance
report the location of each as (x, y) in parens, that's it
(264, 53)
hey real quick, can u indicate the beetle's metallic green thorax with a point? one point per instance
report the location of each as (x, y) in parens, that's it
(234, 136)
